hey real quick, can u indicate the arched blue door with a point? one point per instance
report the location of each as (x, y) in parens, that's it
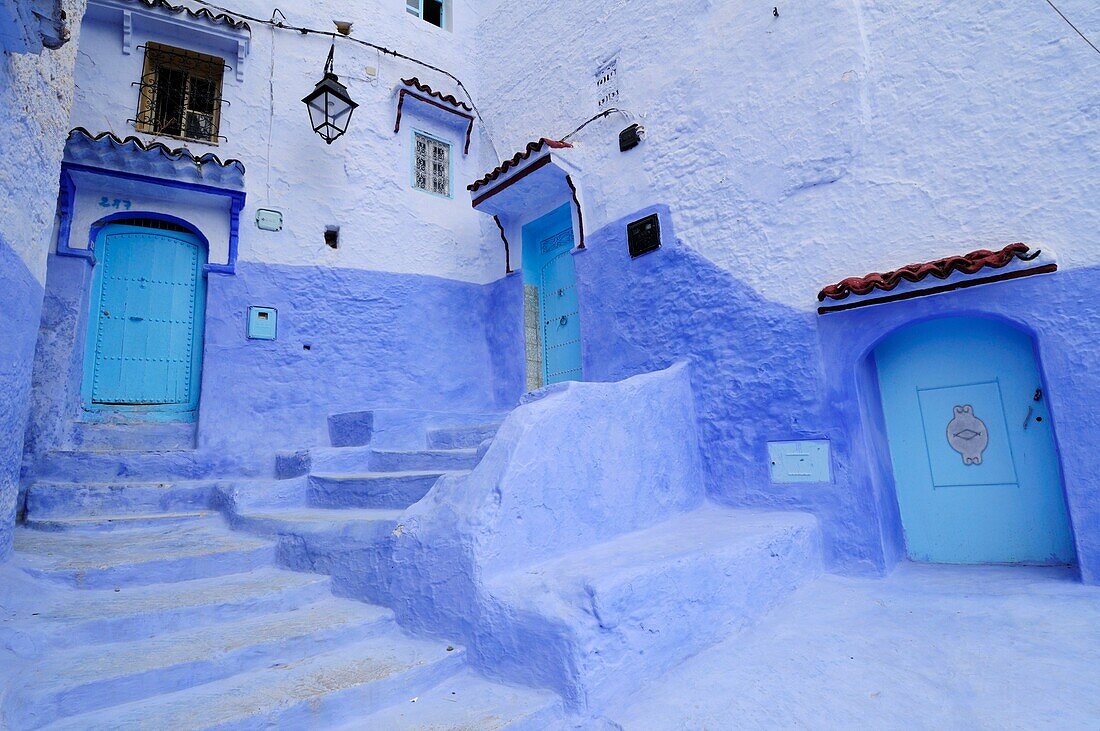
(144, 350)
(548, 266)
(971, 442)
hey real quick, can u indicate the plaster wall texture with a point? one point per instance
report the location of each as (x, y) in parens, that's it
(35, 96)
(841, 137)
(625, 457)
(361, 183)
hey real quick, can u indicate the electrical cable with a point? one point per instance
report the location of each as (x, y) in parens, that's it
(334, 35)
(1071, 25)
(593, 118)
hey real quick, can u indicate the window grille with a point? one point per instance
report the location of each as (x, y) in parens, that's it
(432, 165)
(180, 94)
(154, 223)
(433, 11)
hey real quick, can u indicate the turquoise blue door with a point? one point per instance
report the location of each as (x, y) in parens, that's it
(548, 266)
(145, 327)
(971, 442)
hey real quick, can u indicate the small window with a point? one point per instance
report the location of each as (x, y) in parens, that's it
(431, 165)
(180, 94)
(433, 11)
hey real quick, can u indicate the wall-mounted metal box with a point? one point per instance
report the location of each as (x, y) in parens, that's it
(262, 323)
(644, 235)
(269, 220)
(800, 461)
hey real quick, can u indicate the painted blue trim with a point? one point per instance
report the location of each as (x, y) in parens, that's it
(450, 163)
(66, 201)
(237, 201)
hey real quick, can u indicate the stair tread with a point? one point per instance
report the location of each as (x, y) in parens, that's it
(325, 515)
(383, 475)
(122, 520)
(96, 604)
(92, 663)
(705, 530)
(90, 550)
(270, 690)
(464, 701)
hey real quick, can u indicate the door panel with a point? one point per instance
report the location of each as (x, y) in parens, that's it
(146, 325)
(561, 320)
(974, 457)
(548, 267)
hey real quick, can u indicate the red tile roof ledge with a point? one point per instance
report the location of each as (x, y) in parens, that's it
(423, 88)
(517, 159)
(970, 263)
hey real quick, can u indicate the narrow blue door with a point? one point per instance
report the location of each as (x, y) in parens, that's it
(548, 265)
(145, 329)
(975, 463)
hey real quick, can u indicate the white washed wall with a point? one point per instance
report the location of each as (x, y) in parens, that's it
(842, 137)
(361, 182)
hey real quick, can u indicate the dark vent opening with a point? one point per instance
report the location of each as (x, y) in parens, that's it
(152, 223)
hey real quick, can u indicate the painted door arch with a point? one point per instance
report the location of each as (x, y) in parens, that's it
(552, 306)
(972, 445)
(145, 325)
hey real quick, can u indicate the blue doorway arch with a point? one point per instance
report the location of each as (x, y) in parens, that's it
(971, 444)
(143, 357)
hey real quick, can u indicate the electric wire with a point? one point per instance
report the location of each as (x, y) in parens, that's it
(335, 34)
(280, 24)
(1071, 25)
(593, 118)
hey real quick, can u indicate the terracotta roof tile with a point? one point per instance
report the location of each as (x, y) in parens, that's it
(531, 149)
(970, 263)
(425, 89)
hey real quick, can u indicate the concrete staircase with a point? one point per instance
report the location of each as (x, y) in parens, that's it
(147, 610)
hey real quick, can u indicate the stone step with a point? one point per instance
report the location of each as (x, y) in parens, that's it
(91, 616)
(133, 437)
(319, 692)
(116, 522)
(124, 466)
(237, 495)
(95, 677)
(85, 500)
(467, 701)
(96, 559)
(371, 489)
(447, 460)
(313, 539)
(462, 437)
(608, 617)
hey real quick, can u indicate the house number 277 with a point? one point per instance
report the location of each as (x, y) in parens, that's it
(117, 203)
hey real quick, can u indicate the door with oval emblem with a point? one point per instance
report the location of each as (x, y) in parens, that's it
(971, 444)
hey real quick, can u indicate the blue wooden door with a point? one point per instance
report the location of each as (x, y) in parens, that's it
(548, 265)
(971, 442)
(145, 339)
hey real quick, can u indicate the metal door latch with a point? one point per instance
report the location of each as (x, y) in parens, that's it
(563, 320)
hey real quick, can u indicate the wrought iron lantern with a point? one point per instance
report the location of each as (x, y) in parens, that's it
(329, 105)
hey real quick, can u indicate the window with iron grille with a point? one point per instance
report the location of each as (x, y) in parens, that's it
(180, 94)
(431, 165)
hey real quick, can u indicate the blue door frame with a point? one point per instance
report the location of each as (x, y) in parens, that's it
(972, 445)
(548, 266)
(143, 356)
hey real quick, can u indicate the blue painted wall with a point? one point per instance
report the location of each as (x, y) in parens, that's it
(21, 303)
(763, 372)
(375, 340)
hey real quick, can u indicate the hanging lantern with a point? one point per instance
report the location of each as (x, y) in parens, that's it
(329, 105)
